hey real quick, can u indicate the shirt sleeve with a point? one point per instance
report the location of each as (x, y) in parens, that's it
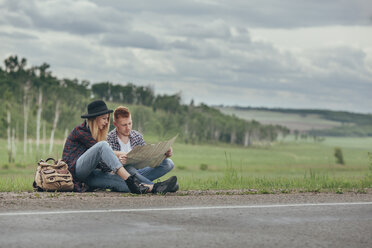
(85, 138)
(142, 141)
(110, 139)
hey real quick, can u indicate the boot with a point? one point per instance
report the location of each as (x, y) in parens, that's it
(135, 186)
(165, 186)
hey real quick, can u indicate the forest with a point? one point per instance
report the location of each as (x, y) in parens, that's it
(37, 105)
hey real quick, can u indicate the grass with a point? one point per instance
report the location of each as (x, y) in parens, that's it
(283, 167)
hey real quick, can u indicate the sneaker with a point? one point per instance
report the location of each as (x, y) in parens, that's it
(165, 186)
(135, 186)
(175, 188)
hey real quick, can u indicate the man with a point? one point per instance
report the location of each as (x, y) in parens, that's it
(123, 139)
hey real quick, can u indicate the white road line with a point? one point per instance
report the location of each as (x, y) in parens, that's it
(181, 208)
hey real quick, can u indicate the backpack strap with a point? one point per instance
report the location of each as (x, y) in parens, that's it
(50, 159)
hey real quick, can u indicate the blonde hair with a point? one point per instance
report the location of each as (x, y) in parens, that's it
(98, 135)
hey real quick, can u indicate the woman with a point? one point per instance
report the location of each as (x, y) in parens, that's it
(86, 148)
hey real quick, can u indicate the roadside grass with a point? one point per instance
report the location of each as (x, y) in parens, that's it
(283, 167)
(16, 183)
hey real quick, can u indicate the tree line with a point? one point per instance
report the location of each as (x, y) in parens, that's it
(38, 105)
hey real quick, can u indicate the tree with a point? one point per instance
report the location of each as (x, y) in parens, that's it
(10, 151)
(26, 110)
(171, 104)
(55, 122)
(12, 65)
(145, 95)
(38, 120)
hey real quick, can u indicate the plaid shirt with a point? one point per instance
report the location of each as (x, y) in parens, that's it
(135, 139)
(78, 142)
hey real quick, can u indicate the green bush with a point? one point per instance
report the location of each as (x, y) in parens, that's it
(203, 167)
(339, 156)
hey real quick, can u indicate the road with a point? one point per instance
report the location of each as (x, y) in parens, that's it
(188, 221)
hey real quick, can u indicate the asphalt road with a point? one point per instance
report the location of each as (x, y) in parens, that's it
(220, 221)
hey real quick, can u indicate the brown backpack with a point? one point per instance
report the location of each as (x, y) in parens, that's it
(53, 176)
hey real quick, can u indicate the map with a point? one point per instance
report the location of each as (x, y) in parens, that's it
(149, 155)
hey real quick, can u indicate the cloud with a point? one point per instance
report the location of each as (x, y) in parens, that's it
(77, 17)
(17, 35)
(262, 53)
(131, 39)
(300, 13)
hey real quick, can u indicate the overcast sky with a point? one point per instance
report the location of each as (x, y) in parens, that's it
(272, 53)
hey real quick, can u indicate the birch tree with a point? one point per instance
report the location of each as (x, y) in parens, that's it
(30, 141)
(44, 137)
(9, 136)
(247, 138)
(65, 139)
(56, 117)
(233, 136)
(14, 149)
(26, 108)
(38, 120)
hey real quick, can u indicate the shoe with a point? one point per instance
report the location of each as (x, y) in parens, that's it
(135, 186)
(165, 186)
(175, 188)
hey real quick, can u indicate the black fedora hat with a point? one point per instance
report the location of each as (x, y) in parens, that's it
(97, 108)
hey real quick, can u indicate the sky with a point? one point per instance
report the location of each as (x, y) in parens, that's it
(283, 54)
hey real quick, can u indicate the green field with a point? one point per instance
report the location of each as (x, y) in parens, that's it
(282, 167)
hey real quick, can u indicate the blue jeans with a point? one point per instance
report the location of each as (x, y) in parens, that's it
(157, 172)
(86, 171)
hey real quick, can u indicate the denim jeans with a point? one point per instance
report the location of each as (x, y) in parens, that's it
(86, 169)
(157, 172)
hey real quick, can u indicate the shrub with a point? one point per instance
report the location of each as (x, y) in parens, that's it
(203, 167)
(181, 167)
(19, 165)
(338, 155)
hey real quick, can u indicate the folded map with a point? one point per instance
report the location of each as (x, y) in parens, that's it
(149, 155)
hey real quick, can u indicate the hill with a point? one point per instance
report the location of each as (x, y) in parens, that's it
(311, 121)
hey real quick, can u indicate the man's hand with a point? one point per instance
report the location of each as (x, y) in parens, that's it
(122, 156)
(169, 153)
(123, 159)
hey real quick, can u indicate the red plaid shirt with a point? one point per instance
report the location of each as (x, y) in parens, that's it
(78, 142)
